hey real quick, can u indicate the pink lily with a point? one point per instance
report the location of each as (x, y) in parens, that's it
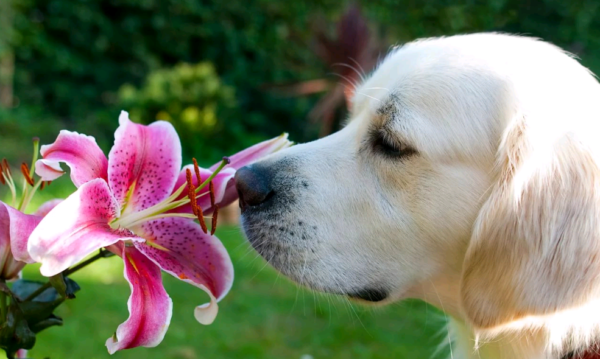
(134, 204)
(15, 228)
(15, 225)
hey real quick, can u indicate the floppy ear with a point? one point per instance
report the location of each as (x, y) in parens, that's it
(535, 247)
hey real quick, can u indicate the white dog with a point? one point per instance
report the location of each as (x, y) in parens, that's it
(468, 176)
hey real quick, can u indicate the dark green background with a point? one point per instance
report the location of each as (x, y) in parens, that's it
(79, 62)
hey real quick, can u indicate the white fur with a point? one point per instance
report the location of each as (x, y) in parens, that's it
(495, 220)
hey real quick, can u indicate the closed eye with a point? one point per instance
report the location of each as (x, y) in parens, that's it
(385, 145)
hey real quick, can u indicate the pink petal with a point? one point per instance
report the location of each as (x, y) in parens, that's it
(146, 157)
(9, 267)
(224, 189)
(76, 227)
(149, 305)
(79, 152)
(21, 226)
(47, 206)
(21, 353)
(181, 249)
(48, 170)
(256, 152)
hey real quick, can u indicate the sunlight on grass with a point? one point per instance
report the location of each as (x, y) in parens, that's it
(264, 316)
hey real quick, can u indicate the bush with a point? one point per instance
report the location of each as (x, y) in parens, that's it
(195, 100)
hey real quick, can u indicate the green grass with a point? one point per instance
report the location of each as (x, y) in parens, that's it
(264, 316)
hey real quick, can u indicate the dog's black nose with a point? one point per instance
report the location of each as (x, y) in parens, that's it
(253, 184)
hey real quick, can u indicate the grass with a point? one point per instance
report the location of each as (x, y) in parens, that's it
(264, 316)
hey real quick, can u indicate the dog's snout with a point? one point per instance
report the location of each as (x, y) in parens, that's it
(254, 185)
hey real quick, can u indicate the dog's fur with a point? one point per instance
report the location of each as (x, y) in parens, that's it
(468, 176)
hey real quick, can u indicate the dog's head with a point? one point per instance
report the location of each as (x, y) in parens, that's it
(468, 161)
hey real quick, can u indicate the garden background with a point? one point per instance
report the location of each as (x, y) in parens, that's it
(228, 74)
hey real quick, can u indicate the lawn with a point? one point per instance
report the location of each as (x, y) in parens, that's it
(264, 316)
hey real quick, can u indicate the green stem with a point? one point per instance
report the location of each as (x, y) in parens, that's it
(3, 311)
(224, 163)
(38, 291)
(103, 253)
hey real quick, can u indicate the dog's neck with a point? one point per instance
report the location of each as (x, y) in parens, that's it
(464, 343)
(461, 341)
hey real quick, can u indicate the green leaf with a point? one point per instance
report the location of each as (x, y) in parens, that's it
(22, 288)
(66, 287)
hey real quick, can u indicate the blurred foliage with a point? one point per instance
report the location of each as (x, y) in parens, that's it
(191, 97)
(72, 56)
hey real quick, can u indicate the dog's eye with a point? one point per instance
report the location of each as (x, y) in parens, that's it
(394, 150)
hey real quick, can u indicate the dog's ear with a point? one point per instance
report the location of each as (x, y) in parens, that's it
(535, 247)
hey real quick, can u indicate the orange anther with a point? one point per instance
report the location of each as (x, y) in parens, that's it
(211, 190)
(197, 170)
(191, 191)
(214, 220)
(25, 171)
(6, 166)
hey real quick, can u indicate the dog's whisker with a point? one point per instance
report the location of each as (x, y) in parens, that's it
(362, 73)
(349, 82)
(360, 76)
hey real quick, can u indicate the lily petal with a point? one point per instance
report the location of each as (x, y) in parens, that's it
(47, 206)
(256, 152)
(20, 226)
(48, 170)
(79, 152)
(223, 184)
(179, 247)
(76, 227)
(143, 163)
(9, 267)
(150, 307)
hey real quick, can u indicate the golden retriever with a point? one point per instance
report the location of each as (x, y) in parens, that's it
(467, 176)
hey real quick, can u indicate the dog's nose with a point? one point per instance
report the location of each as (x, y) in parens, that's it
(253, 184)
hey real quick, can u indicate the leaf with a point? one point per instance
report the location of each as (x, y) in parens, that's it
(22, 288)
(38, 311)
(66, 287)
(15, 333)
(46, 323)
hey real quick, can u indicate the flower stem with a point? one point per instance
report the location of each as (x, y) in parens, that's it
(103, 253)
(224, 163)
(2, 307)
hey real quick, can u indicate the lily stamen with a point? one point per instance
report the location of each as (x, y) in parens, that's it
(214, 219)
(191, 191)
(197, 170)
(6, 166)
(25, 171)
(201, 219)
(211, 190)
(192, 197)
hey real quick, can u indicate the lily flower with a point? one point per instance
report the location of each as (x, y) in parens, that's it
(15, 225)
(135, 204)
(15, 228)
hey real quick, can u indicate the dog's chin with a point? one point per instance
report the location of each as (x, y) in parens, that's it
(369, 296)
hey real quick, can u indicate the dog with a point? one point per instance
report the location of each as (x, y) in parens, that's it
(467, 176)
